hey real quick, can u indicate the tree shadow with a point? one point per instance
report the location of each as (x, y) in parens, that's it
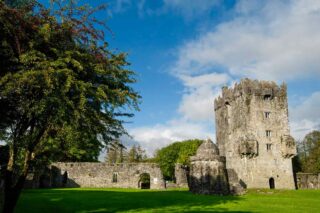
(115, 200)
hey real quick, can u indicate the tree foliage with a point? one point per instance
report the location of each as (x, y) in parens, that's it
(178, 152)
(115, 152)
(63, 93)
(136, 154)
(118, 153)
(309, 152)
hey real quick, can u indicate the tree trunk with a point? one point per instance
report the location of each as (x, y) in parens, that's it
(13, 186)
(11, 193)
(11, 197)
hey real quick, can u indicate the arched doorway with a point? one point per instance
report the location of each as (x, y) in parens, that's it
(144, 181)
(271, 183)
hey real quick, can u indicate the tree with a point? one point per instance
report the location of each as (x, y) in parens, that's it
(18, 3)
(58, 81)
(178, 152)
(136, 154)
(309, 152)
(115, 152)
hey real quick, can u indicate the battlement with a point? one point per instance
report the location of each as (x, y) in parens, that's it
(249, 88)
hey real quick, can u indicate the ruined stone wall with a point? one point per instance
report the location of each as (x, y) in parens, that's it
(308, 181)
(181, 173)
(125, 175)
(252, 131)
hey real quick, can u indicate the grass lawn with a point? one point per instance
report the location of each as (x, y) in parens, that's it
(131, 200)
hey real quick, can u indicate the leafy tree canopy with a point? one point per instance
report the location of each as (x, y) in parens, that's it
(63, 93)
(309, 152)
(178, 152)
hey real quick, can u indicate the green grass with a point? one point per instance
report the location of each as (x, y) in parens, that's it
(131, 200)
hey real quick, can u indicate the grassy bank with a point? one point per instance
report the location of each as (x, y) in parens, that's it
(125, 200)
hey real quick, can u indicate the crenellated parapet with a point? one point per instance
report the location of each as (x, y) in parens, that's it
(249, 88)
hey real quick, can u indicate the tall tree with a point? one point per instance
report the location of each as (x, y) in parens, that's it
(309, 152)
(115, 152)
(136, 154)
(178, 152)
(58, 80)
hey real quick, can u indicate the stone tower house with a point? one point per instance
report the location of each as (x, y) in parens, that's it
(252, 131)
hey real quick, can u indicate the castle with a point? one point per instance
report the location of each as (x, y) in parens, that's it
(252, 134)
(254, 149)
(252, 131)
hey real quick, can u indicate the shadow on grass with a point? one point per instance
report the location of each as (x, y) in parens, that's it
(90, 200)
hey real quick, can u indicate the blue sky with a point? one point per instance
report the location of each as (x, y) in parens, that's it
(184, 51)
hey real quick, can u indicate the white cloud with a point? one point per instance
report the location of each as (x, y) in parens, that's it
(309, 109)
(160, 135)
(278, 41)
(212, 80)
(197, 101)
(299, 129)
(306, 116)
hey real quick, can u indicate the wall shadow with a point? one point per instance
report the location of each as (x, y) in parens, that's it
(89, 200)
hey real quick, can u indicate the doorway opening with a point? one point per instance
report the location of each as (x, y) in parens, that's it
(271, 183)
(144, 181)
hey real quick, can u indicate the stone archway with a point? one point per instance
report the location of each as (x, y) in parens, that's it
(271, 183)
(144, 181)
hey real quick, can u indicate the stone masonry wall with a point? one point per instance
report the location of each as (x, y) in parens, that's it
(252, 131)
(181, 174)
(126, 175)
(308, 181)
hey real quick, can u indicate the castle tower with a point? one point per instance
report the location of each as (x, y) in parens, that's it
(252, 131)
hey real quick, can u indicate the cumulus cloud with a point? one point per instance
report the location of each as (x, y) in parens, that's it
(200, 91)
(306, 116)
(160, 135)
(276, 41)
(309, 108)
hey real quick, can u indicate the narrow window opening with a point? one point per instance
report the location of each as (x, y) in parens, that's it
(268, 133)
(267, 115)
(267, 97)
(114, 178)
(269, 147)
